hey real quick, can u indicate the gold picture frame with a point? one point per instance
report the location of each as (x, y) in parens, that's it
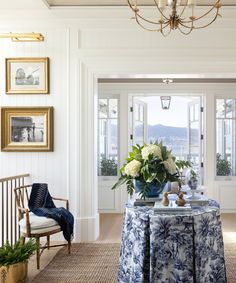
(27, 75)
(27, 129)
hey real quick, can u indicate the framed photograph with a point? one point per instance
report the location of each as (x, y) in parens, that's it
(27, 128)
(27, 75)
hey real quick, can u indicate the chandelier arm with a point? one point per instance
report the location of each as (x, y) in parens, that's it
(185, 6)
(131, 7)
(202, 16)
(148, 21)
(185, 33)
(207, 25)
(160, 11)
(136, 10)
(185, 26)
(148, 29)
(183, 23)
(165, 35)
(189, 31)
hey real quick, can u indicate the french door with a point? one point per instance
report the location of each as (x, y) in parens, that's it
(139, 122)
(195, 135)
(185, 140)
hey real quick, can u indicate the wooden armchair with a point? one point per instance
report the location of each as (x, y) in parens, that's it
(33, 226)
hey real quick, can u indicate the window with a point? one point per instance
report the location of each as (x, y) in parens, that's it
(107, 136)
(225, 137)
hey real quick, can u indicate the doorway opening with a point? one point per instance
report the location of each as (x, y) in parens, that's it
(179, 126)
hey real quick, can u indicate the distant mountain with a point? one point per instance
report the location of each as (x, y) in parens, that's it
(175, 138)
(166, 131)
(167, 134)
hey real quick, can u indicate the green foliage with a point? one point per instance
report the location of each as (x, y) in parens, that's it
(182, 164)
(193, 174)
(152, 169)
(17, 253)
(108, 167)
(223, 167)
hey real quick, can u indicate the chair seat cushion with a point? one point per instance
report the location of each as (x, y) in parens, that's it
(37, 222)
(34, 232)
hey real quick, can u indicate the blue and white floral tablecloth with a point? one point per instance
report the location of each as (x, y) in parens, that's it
(172, 248)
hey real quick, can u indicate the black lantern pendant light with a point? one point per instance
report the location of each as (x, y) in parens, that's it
(165, 102)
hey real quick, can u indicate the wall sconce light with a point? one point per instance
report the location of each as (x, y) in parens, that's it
(165, 102)
(23, 37)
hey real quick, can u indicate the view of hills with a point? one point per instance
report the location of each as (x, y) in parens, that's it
(175, 138)
(166, 131)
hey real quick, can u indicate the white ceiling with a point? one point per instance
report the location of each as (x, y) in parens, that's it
(122, 2)
(21, 4)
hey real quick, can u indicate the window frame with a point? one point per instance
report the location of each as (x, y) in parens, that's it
(109, 96)
(225, 97)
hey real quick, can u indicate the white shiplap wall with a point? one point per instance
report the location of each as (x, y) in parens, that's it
(46, 167)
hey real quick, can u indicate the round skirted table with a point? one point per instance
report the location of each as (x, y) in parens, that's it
(172, 248)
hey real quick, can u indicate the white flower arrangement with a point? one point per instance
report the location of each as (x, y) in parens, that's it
(133, 168)
(151, 149)
(150, 164)
(170, 165)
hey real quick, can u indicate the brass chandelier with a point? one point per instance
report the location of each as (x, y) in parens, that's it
(174, 15)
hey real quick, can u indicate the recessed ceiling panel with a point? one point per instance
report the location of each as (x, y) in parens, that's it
(123, 2)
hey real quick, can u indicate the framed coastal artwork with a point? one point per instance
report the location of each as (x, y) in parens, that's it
(27, 128)
(27, 75)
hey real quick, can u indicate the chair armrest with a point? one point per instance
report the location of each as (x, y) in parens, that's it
(25, 211)
(62, 199)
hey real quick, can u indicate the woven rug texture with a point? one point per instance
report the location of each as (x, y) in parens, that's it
(97, 263)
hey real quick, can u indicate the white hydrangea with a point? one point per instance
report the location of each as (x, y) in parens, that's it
(151, 149)
(170, 165)
(132, 168)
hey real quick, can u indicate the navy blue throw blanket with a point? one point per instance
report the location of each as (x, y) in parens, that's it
(41, 204)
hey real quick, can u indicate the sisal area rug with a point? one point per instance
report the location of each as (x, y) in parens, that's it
(87, 263)
(230, 260)
(97, 263)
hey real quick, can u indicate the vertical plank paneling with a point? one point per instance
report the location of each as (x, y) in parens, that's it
(43, 167)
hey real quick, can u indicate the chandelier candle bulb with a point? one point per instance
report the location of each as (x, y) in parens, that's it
(170, 3)
(192, 2)
(192, 18)
(162, 4)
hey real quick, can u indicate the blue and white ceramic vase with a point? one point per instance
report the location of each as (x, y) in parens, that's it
(193, 183)
(155, 189)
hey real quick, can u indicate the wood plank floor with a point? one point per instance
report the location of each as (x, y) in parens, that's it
(110, 232)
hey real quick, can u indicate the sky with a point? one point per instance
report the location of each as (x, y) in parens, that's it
(176, 116)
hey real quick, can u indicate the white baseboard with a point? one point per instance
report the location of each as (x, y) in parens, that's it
(109, 211)
(86, 229)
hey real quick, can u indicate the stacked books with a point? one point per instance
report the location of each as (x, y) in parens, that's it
(200, 201)
(147, 201)
(192, 200)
